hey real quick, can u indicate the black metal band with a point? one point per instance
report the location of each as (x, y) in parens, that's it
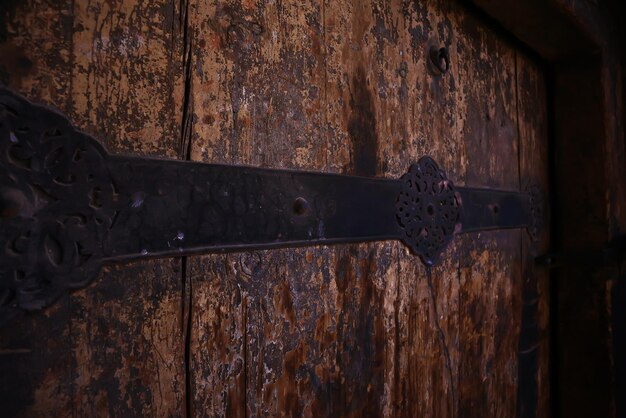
(67, 206)
(173, 207)
(485, 209)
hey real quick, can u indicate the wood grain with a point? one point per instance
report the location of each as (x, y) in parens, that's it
(350, 330)
(114, 348)
(257, 98)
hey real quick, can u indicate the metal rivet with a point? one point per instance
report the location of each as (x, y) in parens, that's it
(300, 206)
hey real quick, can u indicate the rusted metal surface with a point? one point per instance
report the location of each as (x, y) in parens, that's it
(352, 330)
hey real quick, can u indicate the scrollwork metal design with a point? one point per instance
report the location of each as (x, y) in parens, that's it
(56, 190)
(428, 209)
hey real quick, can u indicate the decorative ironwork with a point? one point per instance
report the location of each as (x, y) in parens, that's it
(55, 196)
(428, 210)
(67, 207)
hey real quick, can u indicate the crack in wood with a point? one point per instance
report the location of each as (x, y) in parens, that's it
(442, 337)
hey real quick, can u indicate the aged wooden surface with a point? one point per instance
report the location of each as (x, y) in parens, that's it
(584, 43)
(115, 348)
(534, 346)
(353, 330)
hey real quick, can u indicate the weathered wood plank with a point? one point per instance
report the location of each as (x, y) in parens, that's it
(361, 97)
(534, 350)
(377, 88)
(36, 362)
(490, 301)
(430, 106)
(257, 98)
(355, 330)
(465, 316)
(126, 333)
(113, 67)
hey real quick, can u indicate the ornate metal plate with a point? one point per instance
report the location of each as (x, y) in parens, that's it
(428, 210)
(67, 207)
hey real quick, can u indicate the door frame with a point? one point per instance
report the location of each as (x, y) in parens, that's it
(579, 41)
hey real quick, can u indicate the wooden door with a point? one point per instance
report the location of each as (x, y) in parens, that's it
(348, 330)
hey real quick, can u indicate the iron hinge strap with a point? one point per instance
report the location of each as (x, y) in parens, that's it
(67, 207)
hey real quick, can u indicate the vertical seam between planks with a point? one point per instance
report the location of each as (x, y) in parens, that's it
(244, 320)
(521, 243)
(185, 154)
(459, 274)
(329, 398)
(397, 397)
(522, 251)
(442, 335)
(396, 355)
(517, 123)
(329, 409)
(70, 106)
(324, 62)
(186, 327)
(187, 117)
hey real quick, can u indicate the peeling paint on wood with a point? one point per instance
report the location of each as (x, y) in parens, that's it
(350, 330)
(114, 348)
